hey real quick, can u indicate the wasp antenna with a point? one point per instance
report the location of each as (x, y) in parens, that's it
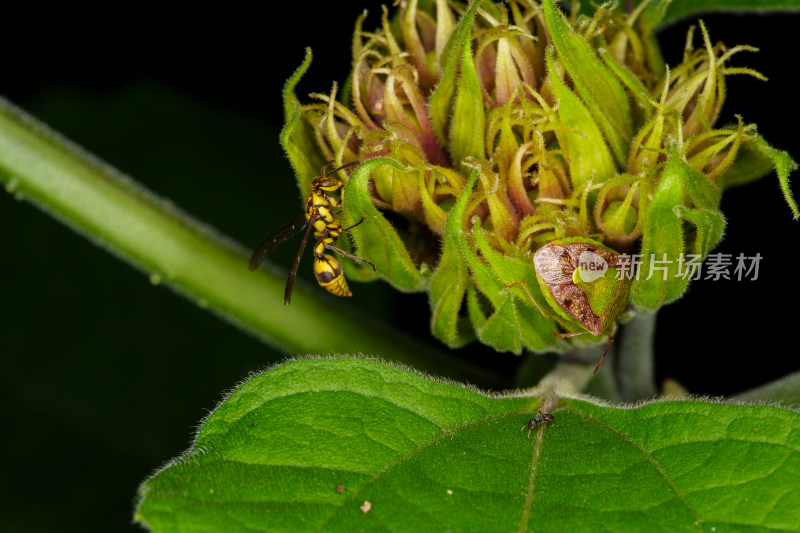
(341, 167)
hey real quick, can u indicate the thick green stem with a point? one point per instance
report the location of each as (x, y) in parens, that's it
(627, 373)
(633, 363)
(150, 233)
(603, 384)
(565, 380)
(785, 390)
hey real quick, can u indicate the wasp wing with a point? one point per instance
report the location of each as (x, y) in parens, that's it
(287, 295)
(275, 240)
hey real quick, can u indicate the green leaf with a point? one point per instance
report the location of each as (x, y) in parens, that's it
(297, 136)
(679, 9)
(599, 89)
(660, 13)
(375, 238)
(662, 242)
(356, 270)
(583, 144)
(441, 100)
(451, 278)
(353, 444)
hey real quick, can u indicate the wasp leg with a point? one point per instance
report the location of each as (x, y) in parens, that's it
(349, 255)
(348, 228)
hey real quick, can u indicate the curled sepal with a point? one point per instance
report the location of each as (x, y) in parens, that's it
(355, 270)
(504, 218)
(375, 238)
(501, 330)
(629, 79)
(599, 89)
(409, 25)
(502, 64)
(702, 191)
(475, 309)
(659, 280)
(482, 274)
(581, 140)
(297, 135)
(784, 165)
(649, 19)
(435, 216)
(751, 164)
(619, 211)
(468, 124)
(441, 100)
(710, 226)
(451, 278)
(290, 101)
(535, 329)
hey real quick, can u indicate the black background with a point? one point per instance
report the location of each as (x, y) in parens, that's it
(105, 376)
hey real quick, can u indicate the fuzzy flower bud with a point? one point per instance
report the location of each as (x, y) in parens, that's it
(496, 128)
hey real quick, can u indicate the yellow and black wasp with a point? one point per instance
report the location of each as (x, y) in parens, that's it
(318, 217)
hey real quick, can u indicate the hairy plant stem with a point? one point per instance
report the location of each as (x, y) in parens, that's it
(169, 246)
(625, 375)
(785, 390)
(633, 362)
(566, 379)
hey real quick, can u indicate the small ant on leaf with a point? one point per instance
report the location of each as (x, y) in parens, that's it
(537, 421)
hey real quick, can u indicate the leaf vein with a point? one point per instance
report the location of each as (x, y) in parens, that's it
(646, 454)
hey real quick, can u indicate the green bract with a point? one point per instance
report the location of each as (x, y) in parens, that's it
(496, 128)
